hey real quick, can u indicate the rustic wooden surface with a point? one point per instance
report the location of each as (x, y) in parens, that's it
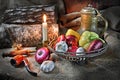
(104, 67)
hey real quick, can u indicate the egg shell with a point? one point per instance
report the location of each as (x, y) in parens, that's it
(80, 51)
(74, 33)
(94, 45)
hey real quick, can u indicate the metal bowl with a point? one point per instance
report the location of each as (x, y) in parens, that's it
(84, 56)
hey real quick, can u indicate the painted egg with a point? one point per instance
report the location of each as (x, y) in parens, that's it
(80, 51)
(61, 46)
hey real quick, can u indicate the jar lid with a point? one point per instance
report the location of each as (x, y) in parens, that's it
(88, 9)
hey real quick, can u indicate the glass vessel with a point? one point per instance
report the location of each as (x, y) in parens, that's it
(90, 18)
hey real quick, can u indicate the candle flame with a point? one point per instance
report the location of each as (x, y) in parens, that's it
(44, 18)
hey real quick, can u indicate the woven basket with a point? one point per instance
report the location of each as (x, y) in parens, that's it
(79, 58)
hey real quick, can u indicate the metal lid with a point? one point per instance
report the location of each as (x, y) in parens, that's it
(88, 9)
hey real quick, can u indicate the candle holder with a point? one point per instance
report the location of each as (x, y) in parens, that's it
(53, 32)
(45, 43)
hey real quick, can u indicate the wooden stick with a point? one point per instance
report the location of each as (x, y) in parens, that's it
(73, 23)
(69, 17)
(18, 52)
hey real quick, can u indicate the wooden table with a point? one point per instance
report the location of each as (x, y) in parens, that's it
(104, 67)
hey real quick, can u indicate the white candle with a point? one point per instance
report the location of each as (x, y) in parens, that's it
(44, 28)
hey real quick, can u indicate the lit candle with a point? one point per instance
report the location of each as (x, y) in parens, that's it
(44, 28)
